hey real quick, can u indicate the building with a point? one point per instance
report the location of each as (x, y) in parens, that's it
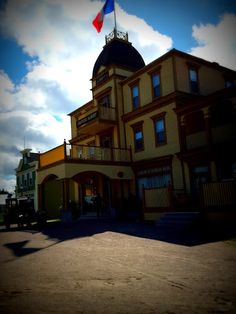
(169, 124)
(26, 177)
(3, 200)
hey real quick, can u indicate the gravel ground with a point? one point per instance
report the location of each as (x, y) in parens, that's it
(109, 267)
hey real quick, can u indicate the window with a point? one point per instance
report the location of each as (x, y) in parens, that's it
(104, 101)
(92, 149)
(138, 136)
(193, 77)
(30, 179)
(80, 152)
(156, 177)
(33, 178)
(229, 83)
(135, 96)
(24, 180)
(160, 129)
(102, 78)
(156, 87)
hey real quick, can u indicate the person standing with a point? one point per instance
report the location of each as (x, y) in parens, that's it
(98, 204)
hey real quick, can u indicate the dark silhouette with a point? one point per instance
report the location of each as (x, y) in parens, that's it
(98, 204)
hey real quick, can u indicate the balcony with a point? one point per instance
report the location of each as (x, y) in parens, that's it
(22, 189)
(97, 153)
(224, 133)
(96, 121)
(84, 153)
(196, 140)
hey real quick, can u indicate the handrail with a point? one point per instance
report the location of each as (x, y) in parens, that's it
(77, 152)
(99, 153)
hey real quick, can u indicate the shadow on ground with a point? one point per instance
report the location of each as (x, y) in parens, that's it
(188, 236)
(59, 232)
(19, 249)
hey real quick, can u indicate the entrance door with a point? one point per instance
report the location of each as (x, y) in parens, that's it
(87, 192)
(200, 175)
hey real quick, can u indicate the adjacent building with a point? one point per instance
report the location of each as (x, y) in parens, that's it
(166, 125)
(26, 177)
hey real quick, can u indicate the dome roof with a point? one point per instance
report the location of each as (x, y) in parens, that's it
(121, 53)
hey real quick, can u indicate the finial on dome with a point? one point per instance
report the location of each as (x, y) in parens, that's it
(115, 34)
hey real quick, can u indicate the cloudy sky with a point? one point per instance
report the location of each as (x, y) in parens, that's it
(48, 49)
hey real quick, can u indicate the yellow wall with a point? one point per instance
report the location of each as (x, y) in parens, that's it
(69, 170)
(210, 79)
(73, 126)
(54, 155)
(150, 149)
(167, 77)
(145, 85)
(53, 198)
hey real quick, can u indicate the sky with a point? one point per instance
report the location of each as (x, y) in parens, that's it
(48, 49)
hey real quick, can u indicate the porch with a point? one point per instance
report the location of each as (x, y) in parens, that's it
(75, 174)
(216, 199)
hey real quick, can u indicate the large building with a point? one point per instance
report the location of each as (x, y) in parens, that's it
(169, 124)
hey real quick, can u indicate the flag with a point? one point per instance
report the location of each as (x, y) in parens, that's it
(106, 9)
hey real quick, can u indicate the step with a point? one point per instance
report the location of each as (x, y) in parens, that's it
(177, 220)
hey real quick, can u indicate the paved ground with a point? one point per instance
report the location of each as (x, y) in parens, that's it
(108, 267)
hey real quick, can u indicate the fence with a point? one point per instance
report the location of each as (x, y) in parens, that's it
(219, 194)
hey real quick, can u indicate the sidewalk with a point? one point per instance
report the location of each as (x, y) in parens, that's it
(110, 267)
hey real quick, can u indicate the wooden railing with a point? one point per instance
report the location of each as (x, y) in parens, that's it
(98, 153)
(83, 152)
(157, 199)
(219, 194)
(102, 113)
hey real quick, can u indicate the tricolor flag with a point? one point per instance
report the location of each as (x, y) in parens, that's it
(106, 9)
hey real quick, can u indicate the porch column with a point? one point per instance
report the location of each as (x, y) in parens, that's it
(40, 197)
(65, 189)
(207, 119)
(183, 147)
(183, 134)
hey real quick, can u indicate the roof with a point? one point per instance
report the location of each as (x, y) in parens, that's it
(119, 52)
(179, 53)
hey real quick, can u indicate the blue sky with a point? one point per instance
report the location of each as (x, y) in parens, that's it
(171, 17)
(48, 49)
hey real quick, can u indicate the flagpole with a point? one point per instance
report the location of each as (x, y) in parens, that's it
(115, 17)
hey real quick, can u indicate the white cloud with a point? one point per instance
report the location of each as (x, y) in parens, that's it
(60, 35)
(7, 89)
(217, 42)
(149, 42)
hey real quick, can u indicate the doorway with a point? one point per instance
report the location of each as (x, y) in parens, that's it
(200, 174)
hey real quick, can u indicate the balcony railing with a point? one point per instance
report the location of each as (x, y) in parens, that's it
(103, 113)
(107, 113)
(98, 153)
(21, 189)
(84, 152)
